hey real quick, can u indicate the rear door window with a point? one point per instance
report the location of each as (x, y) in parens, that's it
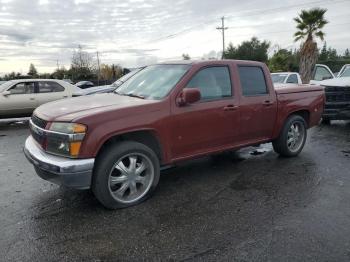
(252, 80)
(49, 87)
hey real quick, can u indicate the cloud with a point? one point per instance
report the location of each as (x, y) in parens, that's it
(126, 31)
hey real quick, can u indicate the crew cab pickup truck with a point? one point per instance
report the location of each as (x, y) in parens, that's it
(117, 143)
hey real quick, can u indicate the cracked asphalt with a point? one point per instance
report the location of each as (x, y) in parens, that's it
(250, 205)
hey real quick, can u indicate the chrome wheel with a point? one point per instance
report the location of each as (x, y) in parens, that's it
(131, 177)
(295, 136)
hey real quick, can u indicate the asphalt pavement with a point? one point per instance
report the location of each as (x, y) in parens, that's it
(250, 205)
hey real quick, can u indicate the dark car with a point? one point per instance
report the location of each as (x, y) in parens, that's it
(84, 84)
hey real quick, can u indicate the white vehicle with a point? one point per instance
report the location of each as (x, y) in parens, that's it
(337, 91)
(286, 78)
(320, 73)
(19, 98)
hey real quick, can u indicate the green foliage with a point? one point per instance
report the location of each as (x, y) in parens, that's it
(330, 57)
(248, 50)
(309, 24)
(284, 61)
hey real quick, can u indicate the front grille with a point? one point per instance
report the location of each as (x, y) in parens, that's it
(337, 94)
(38, 134)
(39, 122)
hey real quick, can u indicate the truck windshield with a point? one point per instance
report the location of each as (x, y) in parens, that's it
(346, 72)
(153, 82)
(278, 78)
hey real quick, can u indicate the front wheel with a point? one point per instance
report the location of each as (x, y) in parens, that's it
(125, 175)
(292, 137)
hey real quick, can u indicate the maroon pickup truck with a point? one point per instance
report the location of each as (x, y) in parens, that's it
(117, 143)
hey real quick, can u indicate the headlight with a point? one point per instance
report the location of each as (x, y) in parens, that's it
(65, 138)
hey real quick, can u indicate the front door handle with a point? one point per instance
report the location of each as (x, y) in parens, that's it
(267, 103)
(230, 108)
(32, 98)
(65, 96)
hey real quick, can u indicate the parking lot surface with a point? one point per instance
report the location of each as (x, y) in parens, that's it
(246, 206)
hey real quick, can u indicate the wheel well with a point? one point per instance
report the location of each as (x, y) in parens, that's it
(304, 114)
(147, 138)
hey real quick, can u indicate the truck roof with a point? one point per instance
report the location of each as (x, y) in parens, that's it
(210, 62)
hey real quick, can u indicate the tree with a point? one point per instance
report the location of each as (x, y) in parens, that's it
(110, 72)
(309, 25)
(248, 50)
(83, 65)
(347, 54)
(186, 57)
(60, 73)
(32, 71)
(284, 60)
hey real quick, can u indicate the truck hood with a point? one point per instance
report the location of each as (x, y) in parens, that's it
(293, 88)
(71, 108)
(338, 81)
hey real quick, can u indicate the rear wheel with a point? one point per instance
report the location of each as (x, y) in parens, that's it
(326, 121)
(125, 175)
(292, 137)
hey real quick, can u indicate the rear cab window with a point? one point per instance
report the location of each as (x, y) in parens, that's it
(252, 80)
(214, 83)
(292, 79)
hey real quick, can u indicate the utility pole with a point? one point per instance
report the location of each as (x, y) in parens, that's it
(223, 28)
(58, 67)
(98, 64)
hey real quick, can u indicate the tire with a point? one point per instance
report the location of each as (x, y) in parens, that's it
(326, 121)
(125, 175)
(283, 145)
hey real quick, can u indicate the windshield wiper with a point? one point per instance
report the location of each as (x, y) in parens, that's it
(130, 94)
(135, 95)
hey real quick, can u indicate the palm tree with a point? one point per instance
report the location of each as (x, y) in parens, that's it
(309, 25)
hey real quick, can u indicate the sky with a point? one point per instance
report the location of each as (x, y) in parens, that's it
(134, 33)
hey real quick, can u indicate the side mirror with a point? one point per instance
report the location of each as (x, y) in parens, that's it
(6, 93)
(189, 96)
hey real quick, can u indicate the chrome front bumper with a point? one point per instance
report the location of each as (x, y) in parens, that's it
(75, 173)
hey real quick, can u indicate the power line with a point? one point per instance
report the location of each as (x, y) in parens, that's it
(223, 28)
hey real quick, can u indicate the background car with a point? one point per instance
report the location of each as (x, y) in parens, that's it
(286, 78)
(84, 84)
(2, 82)
(19, 98)
(109, 88)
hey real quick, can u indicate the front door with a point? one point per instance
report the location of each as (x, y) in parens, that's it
(209, 124)
(20, 102)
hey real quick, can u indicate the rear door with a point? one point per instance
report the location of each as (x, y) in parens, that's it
(48, 91)
(258, 106)
(21, 100)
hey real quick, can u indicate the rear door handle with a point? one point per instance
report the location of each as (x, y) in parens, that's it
(65, 96)
(230, 108)
(32, 98)
(267, 103)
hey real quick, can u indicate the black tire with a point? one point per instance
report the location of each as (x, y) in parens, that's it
(280, 145)
(326, 121)
(105, 164)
